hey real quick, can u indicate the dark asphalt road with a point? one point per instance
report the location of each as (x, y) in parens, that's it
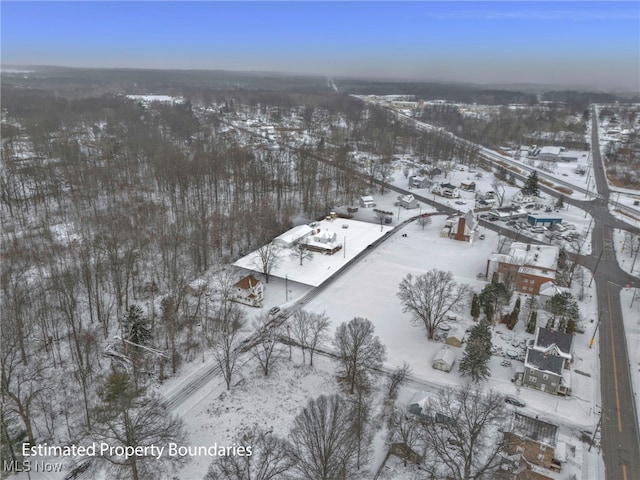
(620, 437)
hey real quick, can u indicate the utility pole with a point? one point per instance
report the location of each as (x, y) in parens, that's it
(635, 256)
(596, 269)
(596, 329)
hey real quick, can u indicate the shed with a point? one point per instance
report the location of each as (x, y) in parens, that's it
(454, 340)
(444, 359)
(366, 201)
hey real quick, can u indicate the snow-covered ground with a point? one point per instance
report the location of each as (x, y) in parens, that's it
(630, 300)
(369, 289)
(629, 212)
(627, 252)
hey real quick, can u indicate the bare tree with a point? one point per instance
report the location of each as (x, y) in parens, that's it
(499, 190)
(268, 459)
(129, 416)
(300, 251)
(317, 332)
(397, 378)
(404, 429)
(267, 336)
(424, 220)
(358, 349)
(300, 329)
(430, 297)
(269, 256)
(21, 385)
(382, 216)
(361, 424)
(224, 338)
(323, 449)
(463, 436)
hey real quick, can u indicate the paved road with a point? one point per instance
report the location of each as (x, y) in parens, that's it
(620, 437)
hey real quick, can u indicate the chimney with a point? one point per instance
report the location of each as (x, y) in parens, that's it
(460, 233)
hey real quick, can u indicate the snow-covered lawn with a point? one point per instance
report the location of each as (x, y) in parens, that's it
(627, 255)
(270, 402)
(369, 289)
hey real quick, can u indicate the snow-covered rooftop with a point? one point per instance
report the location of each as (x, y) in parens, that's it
(355, 236)
(538, 256)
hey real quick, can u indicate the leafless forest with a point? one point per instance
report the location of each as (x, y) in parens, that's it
(111, 207)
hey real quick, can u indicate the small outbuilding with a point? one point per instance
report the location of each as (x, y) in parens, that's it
(536, 220)
(444, 359)
(366, 201)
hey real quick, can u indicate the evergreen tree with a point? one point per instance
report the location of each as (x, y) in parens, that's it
(563, 308)
(533, 321)
(136, 327)
(531, 186)
(513, 316)
(560, 202)
(571, 326)
(475, 362)
(475, 307)
(497, 295)
(489, 311)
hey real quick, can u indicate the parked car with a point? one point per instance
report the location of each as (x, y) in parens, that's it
(514, 401)
(481, 236)
(274, 311)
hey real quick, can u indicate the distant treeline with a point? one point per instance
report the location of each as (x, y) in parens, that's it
(88, 81)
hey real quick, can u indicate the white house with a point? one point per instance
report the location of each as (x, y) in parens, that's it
(550, 154)
(446, 190)
(296, 234)
(323, 241)
(444, 359)
(408, 201)
(249, 291)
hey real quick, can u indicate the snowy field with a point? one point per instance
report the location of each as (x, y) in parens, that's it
(369, 289)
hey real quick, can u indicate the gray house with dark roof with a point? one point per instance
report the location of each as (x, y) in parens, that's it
(546, 365)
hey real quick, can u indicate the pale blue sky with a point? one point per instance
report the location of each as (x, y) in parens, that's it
(583, 43)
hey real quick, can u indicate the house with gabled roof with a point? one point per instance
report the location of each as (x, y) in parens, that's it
(447, 190)
(249, 290)
(547, 362)
(534, 441)
(466, 228)
(555, 343)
